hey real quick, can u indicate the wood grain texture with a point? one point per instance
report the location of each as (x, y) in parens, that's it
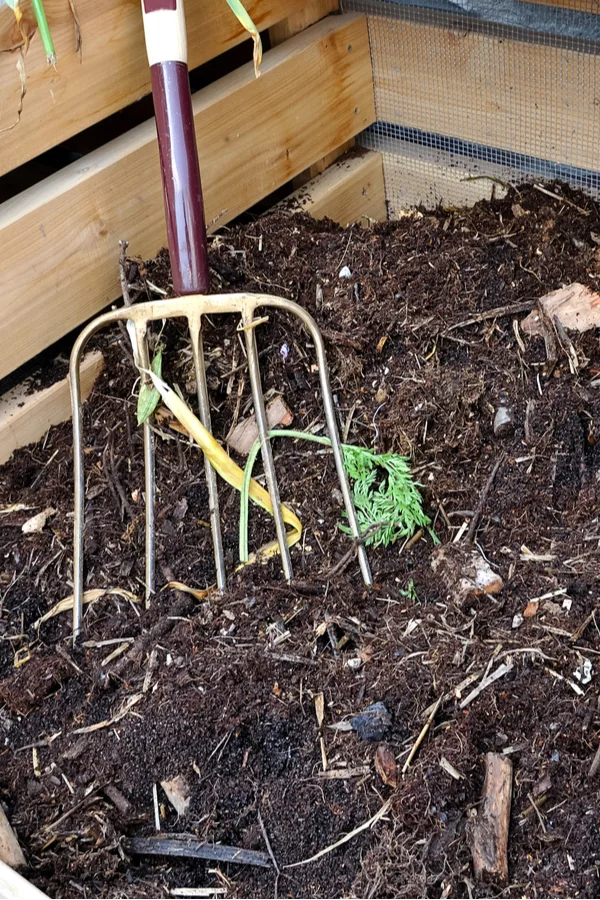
(300, 18)
(26, 417)
(488, 829)
(350, 190)
(418, 176)
(530, 98)
(111, 72)
(586, 6)
(60, 238)
(312, 11)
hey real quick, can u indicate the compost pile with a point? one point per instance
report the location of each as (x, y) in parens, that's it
(242, 699)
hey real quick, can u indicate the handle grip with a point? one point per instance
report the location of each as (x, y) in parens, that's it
(166, 45)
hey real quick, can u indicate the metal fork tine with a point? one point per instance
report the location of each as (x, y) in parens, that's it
(211, 475)
(265, 445)
(78, 475)
(336, 446)
(142, 348)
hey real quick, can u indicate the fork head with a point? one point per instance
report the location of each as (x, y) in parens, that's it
(192, 308)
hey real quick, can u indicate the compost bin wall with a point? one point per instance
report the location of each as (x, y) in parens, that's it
(476, 93)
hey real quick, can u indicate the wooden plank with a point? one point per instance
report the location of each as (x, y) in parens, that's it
(26, 417)
(60, 238)
(586, 6)
(112, 71)
(312, 11)
(350, 190)
(300, 18)
(530, 98)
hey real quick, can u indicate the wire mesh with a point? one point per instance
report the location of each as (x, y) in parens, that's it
(475, 94)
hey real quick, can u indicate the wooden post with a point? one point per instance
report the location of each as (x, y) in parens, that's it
(488, 832)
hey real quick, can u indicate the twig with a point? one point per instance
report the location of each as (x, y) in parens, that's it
(421, 736)
(156, 806)
(484, 494)
(87, 801)
(347, 558)
(543, 190)
(595, 764)
(502, 670)
(190, 847)
(496, 313)
(117, 483)
(267, 841)
(348, 837)
(579, 691)
(131, 701)
(537, 812)
(123, 245)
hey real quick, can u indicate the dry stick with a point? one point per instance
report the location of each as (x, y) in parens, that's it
(488, 834)
(595, 764)
(496, 313)
(267, 841)
(502, 670)
(347, 558)
(117, 483)
(537, 811)
(484, 494)
(421, 736)
(378, 815)
(543, 190)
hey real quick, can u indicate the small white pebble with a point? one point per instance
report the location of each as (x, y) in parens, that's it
(345, 272)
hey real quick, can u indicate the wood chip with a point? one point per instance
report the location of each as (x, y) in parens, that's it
(385, 763)
(449, 768)
(178, 794)
(488, 831)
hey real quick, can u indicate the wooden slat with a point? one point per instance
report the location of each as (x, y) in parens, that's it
(311, 11)
(60, 238)
(586, 6)
(26, 417)
(530, 98)
(112, 72)
(418, 176)
(300, 18)
(350, 190)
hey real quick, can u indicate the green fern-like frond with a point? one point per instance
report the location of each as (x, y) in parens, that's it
(385, 495)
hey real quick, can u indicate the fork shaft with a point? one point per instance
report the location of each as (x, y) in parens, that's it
(265, 444)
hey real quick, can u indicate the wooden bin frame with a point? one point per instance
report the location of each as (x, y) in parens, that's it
(59, 238)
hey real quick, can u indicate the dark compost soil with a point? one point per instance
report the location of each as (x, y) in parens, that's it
(225, 687)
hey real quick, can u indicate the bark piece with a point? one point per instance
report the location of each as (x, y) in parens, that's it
(245, 433)
(488, 832)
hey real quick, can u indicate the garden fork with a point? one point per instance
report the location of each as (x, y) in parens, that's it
(166, 44)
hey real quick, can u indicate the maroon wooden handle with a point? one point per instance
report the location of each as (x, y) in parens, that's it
(153, 5)
(184, 206)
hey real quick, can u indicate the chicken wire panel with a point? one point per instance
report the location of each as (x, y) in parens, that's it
(474, 93)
